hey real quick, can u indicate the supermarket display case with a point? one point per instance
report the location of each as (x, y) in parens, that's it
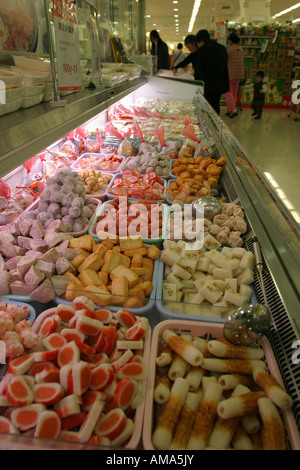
(28, 132)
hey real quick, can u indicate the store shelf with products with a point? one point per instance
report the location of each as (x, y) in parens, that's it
(150, 101)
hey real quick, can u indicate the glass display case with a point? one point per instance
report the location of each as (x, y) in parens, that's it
(26, 133)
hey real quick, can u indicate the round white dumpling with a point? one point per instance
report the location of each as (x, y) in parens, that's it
(54, 208)
(75, 212)
(78, 202)
(87, 211)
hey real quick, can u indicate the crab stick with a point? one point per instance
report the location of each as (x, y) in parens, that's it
(122, 360)
(126, 317)
(38, 367)
(6, 426)
(99, 441)
(54, 341)
(183, 348)
(45, 356)
(100, 340)
(48, 374)
(50, 325)
(112, 424)
(26, 417)
(82, 302)
(90, 396)
(81, 377)
(135, 370)
(99, 358)
(18, 392)
(48, 425)
(65, 312)
(104, 315)
(65, 378)
(130, 345)
(71, 334)
(68, 406)
(85, 350)
(124, 435)
(88, 426)
(73, 421)
(68, 354)
(138, 330)
(88, 326)
(101, 377)
(124, 393)
(20, 365)
(110, 337)
(70, 436)
(47, 393)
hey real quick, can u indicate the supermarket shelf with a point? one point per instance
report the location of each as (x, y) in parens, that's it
(29, 131)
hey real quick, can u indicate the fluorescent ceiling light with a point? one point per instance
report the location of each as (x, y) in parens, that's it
(196, 7)
(283, 12)
(296, 20)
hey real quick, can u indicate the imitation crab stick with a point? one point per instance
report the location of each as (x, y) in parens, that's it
(48, 374)
(90, 396)
(110, 337)
(87, 351)
(50, 325)
(124, 435)
(126, 317)
(81, 377)
(137, 331)
(99, 441)
(48, 425)
(122, 360)
(68, 406)
(20, 365)
(81, 303)
(54, 341)
(124, 393)
(71, 334)
(87, 325)
(73, 421)
(112, 424)
(104, 315)
(68, 354)
(45, 356)
(65, 312)
(102, 377)
(6, 426)
(38, 367)
(26, 417)
(18, 391)
(70, 436)
(47, 393)
(88, 426)
(100, 340)
(135, 370)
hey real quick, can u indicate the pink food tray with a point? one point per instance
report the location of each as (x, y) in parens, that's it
(212, 330)
(139, 414)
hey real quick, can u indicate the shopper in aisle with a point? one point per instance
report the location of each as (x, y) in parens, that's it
(260, 89)
(192, 58)
(160, 49)
(236, 73)
(178, 55)
(212, 66)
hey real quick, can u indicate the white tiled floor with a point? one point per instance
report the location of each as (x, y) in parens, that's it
(273, 143)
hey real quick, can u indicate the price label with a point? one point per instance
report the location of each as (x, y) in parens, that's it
(67, 45)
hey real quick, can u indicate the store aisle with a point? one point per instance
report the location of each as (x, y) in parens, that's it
(273, 143)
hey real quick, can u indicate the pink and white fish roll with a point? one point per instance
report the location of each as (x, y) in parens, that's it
(222, 348)
(272, 389)
(183, 348)
(205, 417)
(163, 433)
(186, 422)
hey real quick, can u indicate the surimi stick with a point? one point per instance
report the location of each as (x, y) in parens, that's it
(20, 365)
(230, 381)
(206, 381)
(124, 393)
(194, 376)
(48, 425)
(88, 426)
(241, 405)
(251, 424)
(124, 435)
(205, 417)
(162, 436)
(224, 429)
(162, 390)
(164, 357)
(183, 348)
(26, 417)
(231, 366)
(130, 344)
(177, 368)
(241, 440)
(68, 354)
(201, 344)
(47, 393)
(112, 424)
(122, 360)
(222, 348)
(6, 426)
(273, 435)
(73, 421)
(18, 391)
(185, 424)
(102, 376)
(54, 341)
(272, 389)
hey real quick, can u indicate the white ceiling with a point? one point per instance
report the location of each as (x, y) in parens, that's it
(162, 15)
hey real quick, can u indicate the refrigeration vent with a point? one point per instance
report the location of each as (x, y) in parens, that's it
(281, 336)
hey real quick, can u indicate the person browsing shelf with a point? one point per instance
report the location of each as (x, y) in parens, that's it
(160, 49)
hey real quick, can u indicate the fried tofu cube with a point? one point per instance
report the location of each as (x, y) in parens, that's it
(153, 252)
(100, 295)
(80, 258)
(88, 277)
(119, 290)
(73, 290)
(93, 262)
(131, 276)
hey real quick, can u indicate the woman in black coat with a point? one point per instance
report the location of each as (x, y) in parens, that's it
(160, 48)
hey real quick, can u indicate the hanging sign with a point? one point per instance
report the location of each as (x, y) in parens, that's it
(67, 45)
(95, 46)
(220, 34)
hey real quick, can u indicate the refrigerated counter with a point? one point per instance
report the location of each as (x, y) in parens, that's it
(25, 133)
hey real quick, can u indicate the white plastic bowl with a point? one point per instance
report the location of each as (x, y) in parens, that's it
(32, 63)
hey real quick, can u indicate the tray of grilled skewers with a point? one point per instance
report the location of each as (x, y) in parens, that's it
(205, 393)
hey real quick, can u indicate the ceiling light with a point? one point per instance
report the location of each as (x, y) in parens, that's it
(296, 20)
(175, 16)
(196, 7)
(175, 9)
(283, 12)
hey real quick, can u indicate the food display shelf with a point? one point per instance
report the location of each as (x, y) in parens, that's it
(22, 138)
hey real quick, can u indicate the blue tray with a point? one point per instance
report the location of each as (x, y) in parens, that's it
(119, 175)
(182, 316)
(100, 157)
(137, 311)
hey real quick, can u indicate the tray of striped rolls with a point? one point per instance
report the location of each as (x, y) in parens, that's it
(205, 393)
